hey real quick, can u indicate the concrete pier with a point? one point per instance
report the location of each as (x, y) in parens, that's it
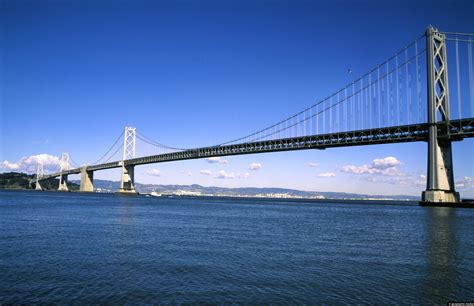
(127, 181)
(63, 183)
(87, 180)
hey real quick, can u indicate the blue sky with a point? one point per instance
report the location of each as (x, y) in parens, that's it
(196, 73)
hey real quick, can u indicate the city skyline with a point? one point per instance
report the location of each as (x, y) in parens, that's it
(108, 75)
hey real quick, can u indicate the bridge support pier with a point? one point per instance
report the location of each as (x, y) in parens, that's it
(440, 180)
(87, 180)
(63, 183)
(127, 180)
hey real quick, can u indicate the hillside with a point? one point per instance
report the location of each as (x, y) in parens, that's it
(14, 180)
(111, 186)
(19, 180)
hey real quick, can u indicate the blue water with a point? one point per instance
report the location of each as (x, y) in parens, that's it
(64, 248)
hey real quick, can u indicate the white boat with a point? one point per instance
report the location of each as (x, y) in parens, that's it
(155, 194)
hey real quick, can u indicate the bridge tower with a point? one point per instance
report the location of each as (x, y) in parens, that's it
(39, 175)
(63, 165)
(440, 181)
(127, 181)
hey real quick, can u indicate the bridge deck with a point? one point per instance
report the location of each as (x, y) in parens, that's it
(455, 130)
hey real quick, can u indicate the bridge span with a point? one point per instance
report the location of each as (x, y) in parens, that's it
(382, 106)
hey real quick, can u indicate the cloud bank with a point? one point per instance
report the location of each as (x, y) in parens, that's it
(327, 174)
(385, 166)
(30, 164)
(224, 175)
(255, 166)
(153, 172)
(217, 160)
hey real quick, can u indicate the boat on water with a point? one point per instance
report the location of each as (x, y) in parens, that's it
(155, 194)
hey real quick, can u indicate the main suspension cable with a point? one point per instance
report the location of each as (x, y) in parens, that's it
(325, 99)
(110, 149)
(155, 143)
(113, 154)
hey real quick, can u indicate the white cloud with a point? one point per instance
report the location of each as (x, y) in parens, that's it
(466, 183)
(224, 175)
(401, 179)
(392, 171)
(205, 172)
(384, 163)
(255, 166)
(30, 164)
(245, 175)
(386, 166)
(313, 164)
(153, 172)
(358, 169)
(217, 160)
(6, 165)
(189, 173)
(327, 174)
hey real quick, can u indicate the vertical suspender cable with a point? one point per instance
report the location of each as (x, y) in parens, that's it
(406, 85)
(388, 96)
(330, 115)
(338, 124)
(346, 124)
(458, 79)
(374, 106)
(324, 117)
(352, 106)
(418, 83)
(378, 96)
(367, 105)
(471, 74)
(317, 121)
(361, 114)
(304, 124)
(382, 104)
(370, 100)
(397, 89)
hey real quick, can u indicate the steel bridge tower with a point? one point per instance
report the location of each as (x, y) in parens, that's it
(440, 181)
(39, 176)
(127, 181)
(63, 165)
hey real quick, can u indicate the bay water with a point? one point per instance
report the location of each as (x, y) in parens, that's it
(103, 248)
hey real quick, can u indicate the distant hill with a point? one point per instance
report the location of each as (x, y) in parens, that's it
(14, 180)
(19, 180)
(112, 186)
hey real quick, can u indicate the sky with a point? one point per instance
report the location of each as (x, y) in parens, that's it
(73, 74)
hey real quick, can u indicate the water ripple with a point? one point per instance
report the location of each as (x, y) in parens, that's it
(69, 248)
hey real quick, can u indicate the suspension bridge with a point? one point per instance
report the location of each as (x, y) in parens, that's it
(406, 98)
